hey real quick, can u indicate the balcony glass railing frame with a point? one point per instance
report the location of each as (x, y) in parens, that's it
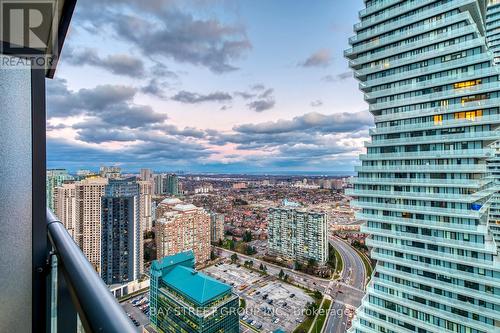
(76, 293)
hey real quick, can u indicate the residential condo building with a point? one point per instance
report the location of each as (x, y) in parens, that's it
(121, 232)
(65, 207)
(216, 227)
(184, 300)
(297, 234)
(423, 188)
(493, 28)
(182, 227)
(171, 184)
(494, 222)
(145, 197)
(55, 178)
(88, 193)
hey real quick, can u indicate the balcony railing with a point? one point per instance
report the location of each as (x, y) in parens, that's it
(77, 293)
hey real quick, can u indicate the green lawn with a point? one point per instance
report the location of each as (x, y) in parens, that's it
(320, 320)
(304, 326)
(366, 262)
(321, 317)
(339, 263)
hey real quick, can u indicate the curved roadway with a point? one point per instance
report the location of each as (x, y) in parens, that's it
(349, 290)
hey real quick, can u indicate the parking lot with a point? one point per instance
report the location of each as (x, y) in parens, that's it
(137, 309)
(270, 303)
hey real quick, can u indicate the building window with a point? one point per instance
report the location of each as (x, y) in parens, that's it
(466, 84)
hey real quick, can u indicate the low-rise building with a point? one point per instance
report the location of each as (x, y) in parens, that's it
(184, 300)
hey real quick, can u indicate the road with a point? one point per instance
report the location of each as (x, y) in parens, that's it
(305, 280)
(351, 291)
(348, 290)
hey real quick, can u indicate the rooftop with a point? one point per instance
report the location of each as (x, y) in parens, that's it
(194, 285)
(171, 201)
(185, 207)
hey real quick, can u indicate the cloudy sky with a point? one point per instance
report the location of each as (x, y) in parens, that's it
(207, 86)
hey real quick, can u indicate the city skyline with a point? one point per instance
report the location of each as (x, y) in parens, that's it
(229, 97)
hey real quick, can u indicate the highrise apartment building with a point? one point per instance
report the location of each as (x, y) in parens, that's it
(110, 172)
(55, 178)
(88, 193)
(423, 186)
(216, 227)
(494, 217)
(146, 174)
(145, 197)
(121, 232)
(158, 185)
(493, 28)
(181, 227)
(298, 234)
(171, 184)
(65, 207)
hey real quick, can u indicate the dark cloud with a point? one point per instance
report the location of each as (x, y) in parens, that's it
(301, 141)
(164, 28)
(262, 105)
(171, 151)
(194, 98)
(113, 104)
(258, 87)
(264, 100)
(120, 64)
(244, 95)
(316, 103)
(321, 58)
(334, 123)
(155, 88)
(337, 78)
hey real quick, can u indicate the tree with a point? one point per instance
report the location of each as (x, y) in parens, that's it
(332, 260)
(247, 236)
(311, 264)
(281, 274)
(250, 263)
(261, 267)
(234, 258)
(317, 294)
(220, 242)
(212, 255)
(285, 278)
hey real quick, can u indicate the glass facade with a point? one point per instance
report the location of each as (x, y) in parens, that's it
(183, 300)
(55, 178)
(121, 235)
(424, 187)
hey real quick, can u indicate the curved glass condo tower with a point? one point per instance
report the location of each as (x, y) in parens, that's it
(425, 186)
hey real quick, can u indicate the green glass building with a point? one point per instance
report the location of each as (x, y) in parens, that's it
(183, 300)
(55, 178)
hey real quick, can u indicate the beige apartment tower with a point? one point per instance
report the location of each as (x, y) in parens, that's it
(65, 207)
(183, 227)
(88, 195)
(145, 195)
